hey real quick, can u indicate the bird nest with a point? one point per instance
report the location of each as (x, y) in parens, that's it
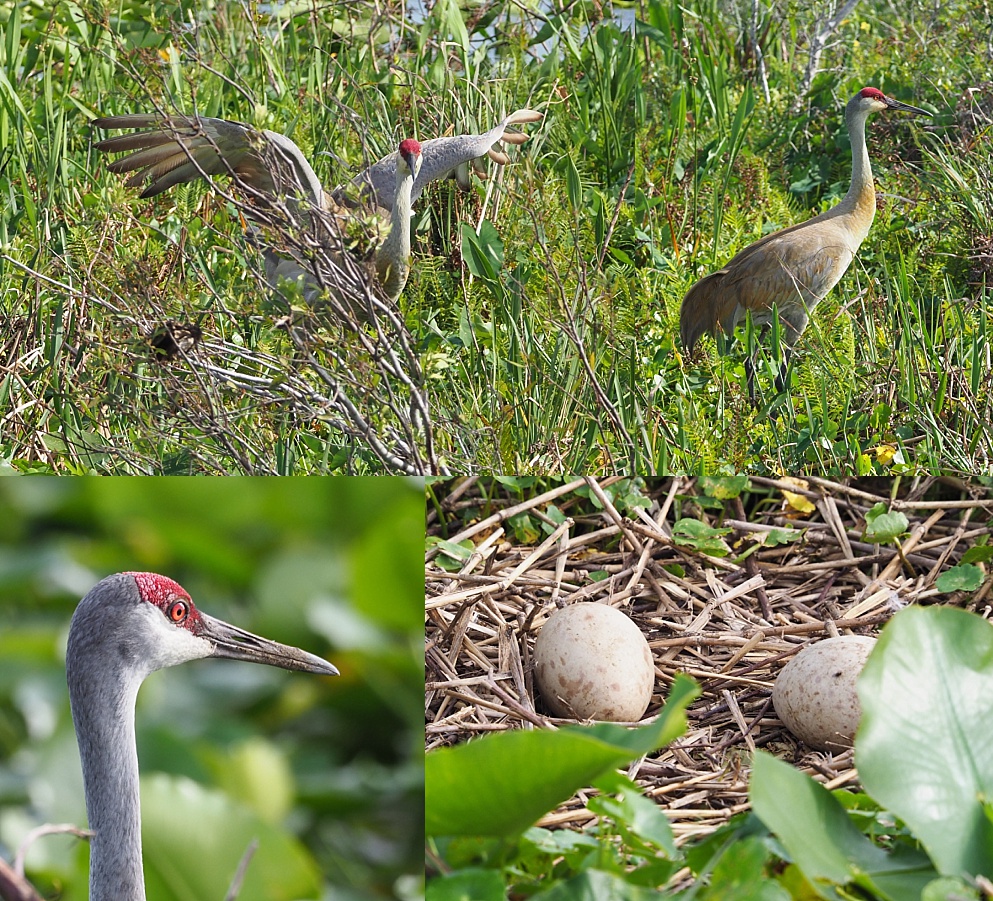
(794, 568)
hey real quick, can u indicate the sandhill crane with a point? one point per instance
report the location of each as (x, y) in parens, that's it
(128, 626)
(791, 270)
(270, 166)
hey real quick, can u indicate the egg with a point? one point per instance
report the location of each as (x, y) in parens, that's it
(592, 662)
(815, 694)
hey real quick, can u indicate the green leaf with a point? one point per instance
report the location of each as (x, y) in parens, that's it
(473, 884)
(501, 784)
(948, 889)
(740, 875)
(821, 839)
(453, 554)
(636, 816)
(553, 513)
(596, 885)
(776, 537)
(574, 187)
(981, 553)
(179, 813)
(812, 826)
(723, 487)
(491, 244)
(923, 746)
(960, 578)
(701, 537)
(526, 528)
(475, 258)
(882, 527)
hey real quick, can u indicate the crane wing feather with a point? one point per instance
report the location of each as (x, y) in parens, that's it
(790, 275)
(442, 157)
(179, 149)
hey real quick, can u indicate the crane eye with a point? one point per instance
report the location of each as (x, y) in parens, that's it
(177, 611)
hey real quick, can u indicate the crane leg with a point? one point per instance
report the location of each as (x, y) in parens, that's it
(780, 381)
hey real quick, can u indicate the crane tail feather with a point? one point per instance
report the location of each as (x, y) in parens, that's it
(706, 308)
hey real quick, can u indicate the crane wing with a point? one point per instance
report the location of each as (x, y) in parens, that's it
(444, 157)
(792, 275)
(801, 269)
(179, 149)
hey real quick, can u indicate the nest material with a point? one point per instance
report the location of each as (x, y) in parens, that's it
(730, 622)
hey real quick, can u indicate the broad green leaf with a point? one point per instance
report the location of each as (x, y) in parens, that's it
(882, 527)
(473, 884)
(960, 578)
(776, 537)
(980, 553)
(948, 889)
(740, 875)
(596, 885)
(474, 256)
(724, 487)
(923, 746)
(215, 833)
(701, 537)
(526, 528)
(501, 784)
(823, 842)
(635, 816)
(561, 843)
(453, 554)
(491, 244)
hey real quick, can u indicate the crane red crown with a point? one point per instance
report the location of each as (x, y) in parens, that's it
(158, 589)
(163, 592)
(409, 146)
(874, 93)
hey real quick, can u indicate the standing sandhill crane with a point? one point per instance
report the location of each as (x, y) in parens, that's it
(128, 626)
(790, 271)
(269, 166)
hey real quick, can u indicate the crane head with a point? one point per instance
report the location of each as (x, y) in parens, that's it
(141, 622)
(872, 100)
(410, 153)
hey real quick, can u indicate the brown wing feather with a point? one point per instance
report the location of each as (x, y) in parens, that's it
(790, 270)
(706, 305)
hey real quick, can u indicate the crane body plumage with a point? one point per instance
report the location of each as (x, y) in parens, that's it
(788, 272)
(128, 626)
(178, 149)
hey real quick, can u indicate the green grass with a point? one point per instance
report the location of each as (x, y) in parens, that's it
(539, 323)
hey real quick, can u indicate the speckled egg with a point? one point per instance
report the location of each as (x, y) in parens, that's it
(592, 662)
(815, 694)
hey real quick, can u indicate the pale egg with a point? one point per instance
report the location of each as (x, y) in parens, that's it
(593, 662)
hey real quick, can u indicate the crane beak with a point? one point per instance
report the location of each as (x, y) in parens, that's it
(415, 165)
(906, 107)
(237, 644)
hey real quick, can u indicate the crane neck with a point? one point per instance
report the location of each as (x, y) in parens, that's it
(393, 256)
(861, 196)
(102, 698)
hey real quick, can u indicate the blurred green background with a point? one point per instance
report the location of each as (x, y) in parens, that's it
(326, 772)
